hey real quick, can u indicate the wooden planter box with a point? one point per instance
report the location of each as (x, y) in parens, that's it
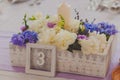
(79, 63)
(18, 55)
(76, 62)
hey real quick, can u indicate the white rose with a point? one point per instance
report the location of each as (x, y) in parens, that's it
(38, 15)
(73, 26)
(64, 38)
(90, 45)
(53, 19)
(47, 37)
(95, 44)
(37, 25)
(103, 42)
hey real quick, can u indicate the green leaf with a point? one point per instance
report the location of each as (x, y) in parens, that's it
(107, 36)
(61, 23)
(32, 18)
(82, 30)
(47, 17)
(25, 21)
(74, 46)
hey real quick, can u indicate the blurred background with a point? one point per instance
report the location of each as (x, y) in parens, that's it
(11, 14)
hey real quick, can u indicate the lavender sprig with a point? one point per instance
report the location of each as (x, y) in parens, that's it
(77, 14)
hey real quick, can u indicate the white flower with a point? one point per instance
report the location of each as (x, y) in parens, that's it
(47, 37)
(53, 19)
(38, 15)
(90, 46)
(103, 42)
(37, 25)
(94, 33)
(61, 40)
(95, 44)
(64, 38)
(73, 26)
(40, 25)
(101, 38)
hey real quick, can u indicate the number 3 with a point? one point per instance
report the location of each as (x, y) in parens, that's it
(40, 60)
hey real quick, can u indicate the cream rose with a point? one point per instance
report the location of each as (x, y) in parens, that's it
(64, 38)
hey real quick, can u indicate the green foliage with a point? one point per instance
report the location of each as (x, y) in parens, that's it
(47, 17)
(74, 46)
(107, 36)
(61, 23)
(82, 30)
(25, 21)
(32, 18)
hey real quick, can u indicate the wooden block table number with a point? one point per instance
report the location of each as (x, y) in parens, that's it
(41, 59)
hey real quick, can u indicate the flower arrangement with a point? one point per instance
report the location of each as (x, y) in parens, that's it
(79, 35)
(83, 44)
(21, 39)
(24, 37)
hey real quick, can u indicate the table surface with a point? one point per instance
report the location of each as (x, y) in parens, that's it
(11, 18)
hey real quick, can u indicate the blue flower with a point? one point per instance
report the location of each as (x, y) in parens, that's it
(114, 31)
(108, 32)
(18, 39)
(25, 37)
(91, 27)
(102, 25)
(108, 29)
(102, 31)
(30, 36)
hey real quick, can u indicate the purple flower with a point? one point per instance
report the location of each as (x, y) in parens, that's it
(30, 36)
(102, 25)
(24, 37)
(51, 25)
(79, 37)
(23, 28)
(114, 31)
(18, 39)
(108, 29)
(91, 27)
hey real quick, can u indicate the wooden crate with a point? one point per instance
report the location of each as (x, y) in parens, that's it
(18, 55)
(76, 62)
(79, 63)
